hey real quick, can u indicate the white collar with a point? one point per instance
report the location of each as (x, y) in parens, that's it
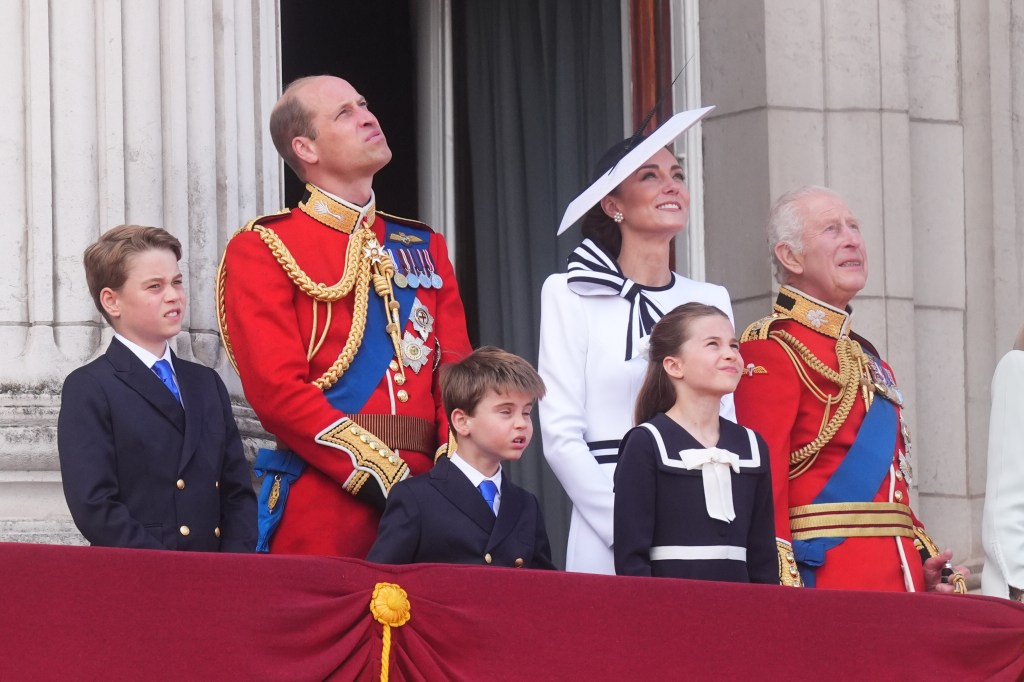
(148, 359)
(474, 476)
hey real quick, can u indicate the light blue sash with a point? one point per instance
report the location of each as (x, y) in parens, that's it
(857, 479)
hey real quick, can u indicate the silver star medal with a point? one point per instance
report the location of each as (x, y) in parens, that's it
(422, 320)
(372, 250)
(908, 473)
(905, 430)
(414, 352)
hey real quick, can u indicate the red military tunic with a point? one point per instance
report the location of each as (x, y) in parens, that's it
(283, 340)
(775, 398)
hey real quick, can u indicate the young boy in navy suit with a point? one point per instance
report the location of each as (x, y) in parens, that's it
(464, 510)
(150, 454)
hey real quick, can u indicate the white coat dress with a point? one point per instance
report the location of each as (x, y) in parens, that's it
(591, 391)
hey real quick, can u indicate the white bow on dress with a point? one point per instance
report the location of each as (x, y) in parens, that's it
(715, 464)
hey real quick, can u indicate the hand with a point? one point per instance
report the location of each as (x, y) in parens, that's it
(933, 572)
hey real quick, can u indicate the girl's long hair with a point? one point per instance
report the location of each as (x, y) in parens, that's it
(667, 338)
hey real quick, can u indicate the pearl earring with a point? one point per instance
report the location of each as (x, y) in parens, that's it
(618, 217)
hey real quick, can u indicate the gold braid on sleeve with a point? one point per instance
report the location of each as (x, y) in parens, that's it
(923, 541)
(848, 379)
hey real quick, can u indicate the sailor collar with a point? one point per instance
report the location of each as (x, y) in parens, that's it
(335, 212)
(812, 313)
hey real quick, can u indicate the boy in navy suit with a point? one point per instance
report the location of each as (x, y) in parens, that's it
(464, 510)
(149, 451)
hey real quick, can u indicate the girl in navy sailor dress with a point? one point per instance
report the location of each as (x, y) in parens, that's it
(693, 491)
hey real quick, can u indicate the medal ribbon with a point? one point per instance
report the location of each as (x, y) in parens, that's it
(375, 353)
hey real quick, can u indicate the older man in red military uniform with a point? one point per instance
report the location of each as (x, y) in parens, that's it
(337, 318)
(830, 411)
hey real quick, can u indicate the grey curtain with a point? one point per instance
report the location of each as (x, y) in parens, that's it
(540, 85)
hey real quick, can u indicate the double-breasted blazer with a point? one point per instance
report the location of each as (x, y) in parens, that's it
(141, 469)
(440, 517)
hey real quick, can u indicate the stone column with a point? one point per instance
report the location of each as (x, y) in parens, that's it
(118, 111)
(914, 112)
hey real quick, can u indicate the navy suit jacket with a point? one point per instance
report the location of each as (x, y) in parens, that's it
(440, 517)
(140, 470)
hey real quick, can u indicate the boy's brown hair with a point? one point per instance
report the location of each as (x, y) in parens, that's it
(465, 383)
(107, 260)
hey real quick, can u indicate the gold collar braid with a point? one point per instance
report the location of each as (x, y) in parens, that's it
(335, 214)
(816, 315)
(365, 261)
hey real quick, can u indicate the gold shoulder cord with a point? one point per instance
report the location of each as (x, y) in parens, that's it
(364, 261)
(222, 321)
(848, 379)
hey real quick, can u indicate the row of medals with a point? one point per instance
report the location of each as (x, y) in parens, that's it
(414, 268)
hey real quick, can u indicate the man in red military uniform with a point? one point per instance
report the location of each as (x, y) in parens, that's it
(830, 411)
(337, 318)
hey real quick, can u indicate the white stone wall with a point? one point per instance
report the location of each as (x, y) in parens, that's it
(118, 111)
(912, 111)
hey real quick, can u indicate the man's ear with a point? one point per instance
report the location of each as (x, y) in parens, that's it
(459, 422)
(110, 302)
(304, 149)
(790, 259)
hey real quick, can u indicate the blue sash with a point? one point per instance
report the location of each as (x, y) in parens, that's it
(348, 395)
(376, 351)
(285, 467)
(857, 479)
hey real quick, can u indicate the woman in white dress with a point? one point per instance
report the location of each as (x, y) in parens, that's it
(594, 322)
(1002, 525)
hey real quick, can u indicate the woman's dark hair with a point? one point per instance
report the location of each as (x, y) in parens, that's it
(657, 393)
(596, 223)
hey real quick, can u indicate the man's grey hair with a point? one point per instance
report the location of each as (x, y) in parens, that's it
(786, 224)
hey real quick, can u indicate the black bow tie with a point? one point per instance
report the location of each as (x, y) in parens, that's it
(592, 272)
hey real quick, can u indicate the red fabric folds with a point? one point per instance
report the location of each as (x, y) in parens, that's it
(93, 613)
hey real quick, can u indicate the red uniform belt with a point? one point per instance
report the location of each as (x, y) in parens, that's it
(851, 519)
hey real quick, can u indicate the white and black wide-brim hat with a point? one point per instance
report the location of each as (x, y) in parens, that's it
(635, 157)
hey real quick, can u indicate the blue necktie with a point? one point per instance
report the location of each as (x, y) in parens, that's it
(489, 491)
(166, 374)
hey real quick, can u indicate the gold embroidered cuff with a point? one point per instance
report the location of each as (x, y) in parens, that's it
(924, 542)
(370, 457)
(789, 574)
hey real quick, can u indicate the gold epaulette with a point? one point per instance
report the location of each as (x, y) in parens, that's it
(758, 331)
(222, 323)
(405, 221)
